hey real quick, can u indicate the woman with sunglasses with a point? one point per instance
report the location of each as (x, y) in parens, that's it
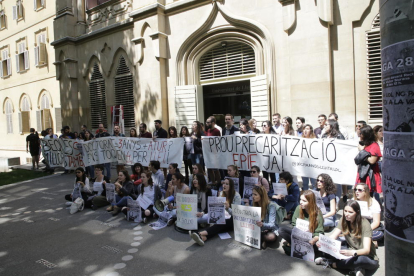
(327, 189)
(83, 181)
(232, 197)
(261, 181)
(271, 217)
(290, 201)
(332, 130)
(287, 127)
(361, 193)
(267, 128)
(188, 147)
(358, 235)
(309, 211)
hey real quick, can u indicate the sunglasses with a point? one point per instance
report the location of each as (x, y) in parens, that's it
(359, 190)
(253, 172)
(320, 181)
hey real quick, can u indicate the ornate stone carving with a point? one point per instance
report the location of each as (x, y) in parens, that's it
(325, 11)
(108, 11)
(289, 13)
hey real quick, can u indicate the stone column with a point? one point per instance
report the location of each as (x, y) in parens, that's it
(397, 57)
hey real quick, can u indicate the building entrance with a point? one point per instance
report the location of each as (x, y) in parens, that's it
(229, 97)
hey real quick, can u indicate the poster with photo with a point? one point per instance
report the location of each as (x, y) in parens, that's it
(301, 248)
(162, 221)
(134, 211)
(216, 211)
(249, 183)
(76, 191)
(110, 192)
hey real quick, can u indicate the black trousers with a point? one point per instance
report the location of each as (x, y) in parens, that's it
(220, 228)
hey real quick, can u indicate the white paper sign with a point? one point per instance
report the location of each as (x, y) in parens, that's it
(76, 192)
(364, 208)
(187, 211)
(189, 144)
(134, 211)
(97, 187)
(249, 183)
(110, 192)
(274, 153)
(302, 225)
(319, 202)
(331, 247)
(301, 248)
(236, 183)
(216, 211)
(144, 201)
(280, 189)
(162, 221)
(245, 228)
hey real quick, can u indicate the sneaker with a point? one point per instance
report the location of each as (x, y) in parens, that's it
(359, 272)
(197, 238)
(170, 222)
(144, 220)
(322, 261)
(69, 203)
(189, 233)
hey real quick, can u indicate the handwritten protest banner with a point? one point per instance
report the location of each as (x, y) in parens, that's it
(249, 183)
(134, 211)
(130, 150)
(187, 211)
(280, 189)
(97, 187)
(273, 153)
(110, 192)
(302, 225)
(331, 247)
(236, 181)
(319, 202)
(245, 229)
(62, 153)
(301, 248)
(216, 212)
(144, 201)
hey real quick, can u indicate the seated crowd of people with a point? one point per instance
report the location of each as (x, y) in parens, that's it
(279, 212)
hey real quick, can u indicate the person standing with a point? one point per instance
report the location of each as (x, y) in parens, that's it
(300, 122)
(321, 121)
(277, 125)
(230, 128)
(103, 133)
(32, 146)
(117, 133)
(143, 133)
(159, 131)
(214, 174)
(343, 130)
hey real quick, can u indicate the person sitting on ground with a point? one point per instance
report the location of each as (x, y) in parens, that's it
(145, 189)
(358, 235)
(361, 193)
(83, 181)
(271, 218)
(200, 188)
(137, 169)
(309, 211)
(172, 169)
(197, 168)
(157, 173)
(123, 188)
(261, 181)
(291, 201)
(175, 186)
(232, 197)
(233, 171)
(327, 189)
(98, 189)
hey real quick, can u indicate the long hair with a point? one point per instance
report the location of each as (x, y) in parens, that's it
(311, 134)
(202, 184)
(150, 183)
(367, 135)
(368, 197)
(140, 171)
(199, 129)
(90, 136)
(313, 210)
(264, 200)
(254, 129)
(328, 184)
(230, 195)
(271, 130)
(135, 130)
(83, 177)
(376, 129)
(333, 131)
(179, 176)
(187, 133)
(127, 176)
(200, 168)
(174, 132)
(356, 226)
(245, 123)
(235, 168)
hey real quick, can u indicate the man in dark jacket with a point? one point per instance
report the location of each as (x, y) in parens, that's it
(159, 131)
(230, 128)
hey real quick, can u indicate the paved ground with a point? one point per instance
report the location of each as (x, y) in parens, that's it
(40, 237)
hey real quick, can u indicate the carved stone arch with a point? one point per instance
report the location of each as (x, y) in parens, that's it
(39, 98)
(21, 100)
(115, 62)
(4, 104)
(245, 29)
(88, 70)
(144, 28)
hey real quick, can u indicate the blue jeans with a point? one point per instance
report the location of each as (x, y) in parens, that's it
(108, 170)
(289, 205)
(305, 181)
(91, 171)
(123, 202)
(364, 262)
(117, 200)
(329, 221)
(197, 158)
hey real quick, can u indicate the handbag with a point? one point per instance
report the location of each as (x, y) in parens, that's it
(77, 206)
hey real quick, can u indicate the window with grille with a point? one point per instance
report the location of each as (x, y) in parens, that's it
(24, 116)
(5, 64)
(226, 60)
(373, 40)
(97, 98)
(22, 58)
(124, 92)
(9, 116)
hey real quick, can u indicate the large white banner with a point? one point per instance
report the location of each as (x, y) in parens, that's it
(130, 150)
(274, 153)
(245, 228)
(187, 211)
(62, 153)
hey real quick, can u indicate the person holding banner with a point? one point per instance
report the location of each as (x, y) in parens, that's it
(232, 197)
(101, 132)
(197, 156)
(361, 193)
(308, 211)
(287, 127)
(309, 134)
(200, 188)
(272, 215)
(188, 148)
(123, 188)
(83, 181)
(133, 132)
(358, 235)
(99, 190)
(327, 189)
(253, 126)
(87, 136)
(291, 201)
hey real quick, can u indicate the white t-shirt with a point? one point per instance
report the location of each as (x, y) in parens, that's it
(375, 208)
(149, 192)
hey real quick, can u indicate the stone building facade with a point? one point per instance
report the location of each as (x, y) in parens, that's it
(184, 60)
(29, 91)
